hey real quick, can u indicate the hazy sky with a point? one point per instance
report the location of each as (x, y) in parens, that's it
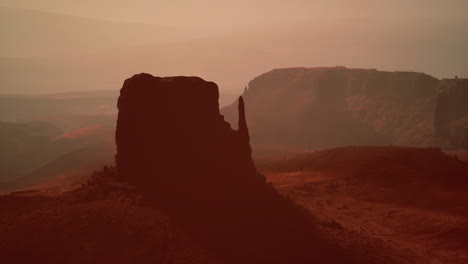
(219, 14)
(228, 42)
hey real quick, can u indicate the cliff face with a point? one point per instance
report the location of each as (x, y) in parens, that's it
(174, 145)
(171, 136)
(451, 115)
(327, 107)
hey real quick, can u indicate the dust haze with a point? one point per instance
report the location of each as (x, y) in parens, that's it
(245, 38)
(256, 132)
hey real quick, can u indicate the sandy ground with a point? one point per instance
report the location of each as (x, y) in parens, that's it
(384, 232)
(388, 205)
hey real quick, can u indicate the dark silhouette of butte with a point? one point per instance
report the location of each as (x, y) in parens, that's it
(174, 145)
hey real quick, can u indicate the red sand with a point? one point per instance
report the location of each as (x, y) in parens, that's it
(395, 205)
(385, 204)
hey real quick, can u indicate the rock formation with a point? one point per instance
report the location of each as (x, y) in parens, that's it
(441, 120)
(174, 145)
(326, 107)
(451, 115)
(171, 136)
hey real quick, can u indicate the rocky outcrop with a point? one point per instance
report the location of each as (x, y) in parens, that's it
(171, 136)
(174, 145)
(326, 107)
(451, 115)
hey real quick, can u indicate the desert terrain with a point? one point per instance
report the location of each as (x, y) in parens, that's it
(226, 132)
(188, 188)
(383, 204)
(398, 205)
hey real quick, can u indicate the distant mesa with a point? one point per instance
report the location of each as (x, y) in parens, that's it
(313, 108)
(451, 115)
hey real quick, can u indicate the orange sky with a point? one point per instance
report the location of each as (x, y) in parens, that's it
(224, 14)
(229, 42)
